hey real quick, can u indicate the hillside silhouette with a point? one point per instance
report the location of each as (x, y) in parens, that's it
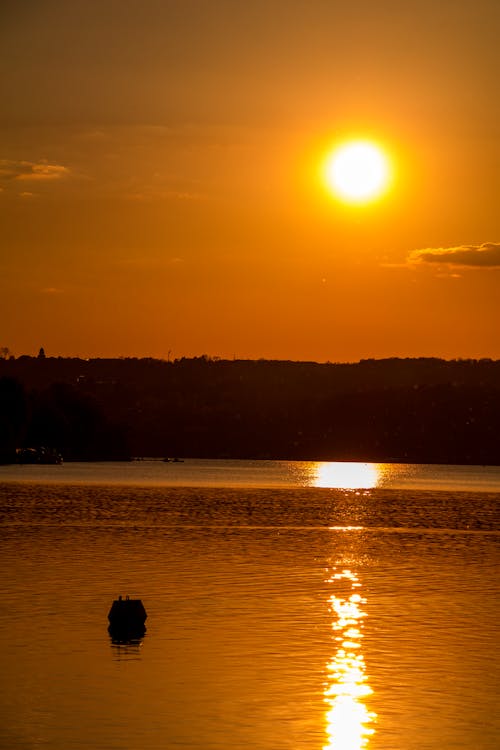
(411, 410)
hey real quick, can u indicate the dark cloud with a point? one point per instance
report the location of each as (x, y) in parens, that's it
(486, 255)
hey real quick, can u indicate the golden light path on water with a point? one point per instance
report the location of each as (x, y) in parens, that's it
(345, 475)
(348, 718)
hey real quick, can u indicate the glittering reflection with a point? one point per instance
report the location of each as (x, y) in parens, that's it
(345, 475)
(348, 718)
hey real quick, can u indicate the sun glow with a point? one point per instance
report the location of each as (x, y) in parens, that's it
(345, 475)
(357, 172)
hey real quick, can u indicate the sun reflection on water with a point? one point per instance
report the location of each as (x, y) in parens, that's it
(348, 718)
(346, 475)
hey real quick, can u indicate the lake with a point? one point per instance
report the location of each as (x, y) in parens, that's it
(290, 605)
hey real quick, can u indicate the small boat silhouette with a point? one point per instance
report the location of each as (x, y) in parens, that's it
(127, 618)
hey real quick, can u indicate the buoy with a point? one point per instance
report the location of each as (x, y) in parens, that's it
(127, 619)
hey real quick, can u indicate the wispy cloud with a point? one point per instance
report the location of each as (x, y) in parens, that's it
(44, 172)
(51, 290)
(160, 194)
(486, 255)
(149, 262)
(29, 170)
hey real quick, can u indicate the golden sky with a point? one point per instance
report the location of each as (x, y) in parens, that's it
(161, 191)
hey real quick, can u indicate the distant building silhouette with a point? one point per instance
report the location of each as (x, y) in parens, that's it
(41, 353)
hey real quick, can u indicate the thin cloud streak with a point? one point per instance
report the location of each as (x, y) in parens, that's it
(486, 255)
(145, 262)
(28, 170)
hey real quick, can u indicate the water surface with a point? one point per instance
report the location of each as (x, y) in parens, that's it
(290, 474)
(280, 616)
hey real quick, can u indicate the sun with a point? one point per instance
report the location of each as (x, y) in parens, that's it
(357, 172)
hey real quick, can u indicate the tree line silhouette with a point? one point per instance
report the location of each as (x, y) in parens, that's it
(424, 410)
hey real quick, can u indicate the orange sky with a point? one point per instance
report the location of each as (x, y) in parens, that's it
(159, 179)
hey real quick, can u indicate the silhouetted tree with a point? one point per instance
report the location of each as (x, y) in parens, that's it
(74, 422)
(382, 410)
(12, 418)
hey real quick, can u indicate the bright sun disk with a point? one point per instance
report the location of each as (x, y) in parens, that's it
(357, 172)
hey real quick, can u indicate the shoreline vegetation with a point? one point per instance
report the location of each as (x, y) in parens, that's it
(422, 410)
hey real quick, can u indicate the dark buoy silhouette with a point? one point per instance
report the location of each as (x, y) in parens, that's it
(127, 619)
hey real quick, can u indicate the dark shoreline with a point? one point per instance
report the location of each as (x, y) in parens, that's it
(422, 410)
